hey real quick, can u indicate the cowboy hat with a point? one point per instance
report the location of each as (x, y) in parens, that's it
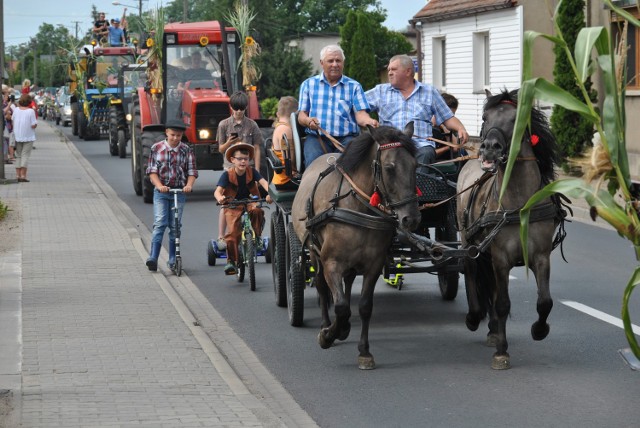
(178, 125)
(238, 146)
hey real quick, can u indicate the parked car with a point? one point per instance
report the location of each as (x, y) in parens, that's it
(65, 111)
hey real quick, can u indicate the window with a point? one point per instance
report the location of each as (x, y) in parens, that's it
(633, 48)
(481, 70)
(439, 63)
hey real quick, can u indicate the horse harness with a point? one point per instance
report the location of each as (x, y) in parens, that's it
(382, 217)
(500, 218)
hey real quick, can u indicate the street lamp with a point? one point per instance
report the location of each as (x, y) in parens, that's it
(117, 3)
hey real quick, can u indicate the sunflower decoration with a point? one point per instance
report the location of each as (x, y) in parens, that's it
(241, 19)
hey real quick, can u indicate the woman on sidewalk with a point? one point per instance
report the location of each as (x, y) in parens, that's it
(24, 130)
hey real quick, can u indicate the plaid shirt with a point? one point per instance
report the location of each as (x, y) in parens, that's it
(424, 102)
(173, 166)
(335, 106)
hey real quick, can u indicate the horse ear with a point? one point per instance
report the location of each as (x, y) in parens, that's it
(370, 128)
(488, 93)
(408, 129)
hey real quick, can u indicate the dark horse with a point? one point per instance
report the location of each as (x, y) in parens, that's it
(334, 216)
(494, 226)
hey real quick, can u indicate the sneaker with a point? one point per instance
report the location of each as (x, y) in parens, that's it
(222, 244)
(152, 265)
(230, 269)
(259, 244)
(171, 266)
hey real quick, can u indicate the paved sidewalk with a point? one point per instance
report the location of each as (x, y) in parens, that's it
(91, 338)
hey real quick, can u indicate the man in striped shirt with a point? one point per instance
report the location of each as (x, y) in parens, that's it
(404, 99)
(333, 102)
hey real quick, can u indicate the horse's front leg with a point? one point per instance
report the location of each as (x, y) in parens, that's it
(541, 268)
(348, 284)
(475, 313)
(501, 309)
(365, 359)
(333, 278)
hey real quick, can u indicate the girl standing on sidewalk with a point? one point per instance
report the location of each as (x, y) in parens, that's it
(24, 130)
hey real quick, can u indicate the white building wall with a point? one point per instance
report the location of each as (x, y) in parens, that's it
(505, 28)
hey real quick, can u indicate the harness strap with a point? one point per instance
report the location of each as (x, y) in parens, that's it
(333, 141)
(354, 218)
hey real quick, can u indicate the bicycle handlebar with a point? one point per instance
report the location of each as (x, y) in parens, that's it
(238, 202)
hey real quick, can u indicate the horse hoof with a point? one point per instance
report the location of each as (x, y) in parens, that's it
(492, 340)
(472, 322)
(366, 363)
(344, 333)
(500, 362)
(539, 330)
(322, 339)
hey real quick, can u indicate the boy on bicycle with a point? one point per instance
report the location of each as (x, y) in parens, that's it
(241, 181)
(172, 165)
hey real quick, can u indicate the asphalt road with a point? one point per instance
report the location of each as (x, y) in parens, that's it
(431, 371)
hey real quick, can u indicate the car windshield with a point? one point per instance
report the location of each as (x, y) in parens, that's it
(107, 68)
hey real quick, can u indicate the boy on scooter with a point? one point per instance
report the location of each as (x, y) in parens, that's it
(241, 181)
(172, 165)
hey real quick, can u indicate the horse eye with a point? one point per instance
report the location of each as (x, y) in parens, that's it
(390, 168)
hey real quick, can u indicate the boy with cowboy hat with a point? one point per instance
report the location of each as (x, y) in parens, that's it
(240, 181)
(172, 165)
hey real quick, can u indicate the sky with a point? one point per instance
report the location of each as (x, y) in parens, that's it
(22, 18)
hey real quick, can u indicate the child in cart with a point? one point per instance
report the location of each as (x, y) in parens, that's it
(241, 181)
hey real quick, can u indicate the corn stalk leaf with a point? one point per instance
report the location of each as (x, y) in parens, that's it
(626, 316)
(587, 38)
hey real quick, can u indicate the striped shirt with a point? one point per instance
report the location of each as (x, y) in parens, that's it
(334, 106)
(424, 102)
(173, 165)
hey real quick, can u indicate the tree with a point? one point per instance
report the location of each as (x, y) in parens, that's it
(346, 37)
(572, 131)
(283, 72)
(362, 63)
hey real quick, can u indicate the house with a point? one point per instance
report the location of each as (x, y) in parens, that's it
(467, 46)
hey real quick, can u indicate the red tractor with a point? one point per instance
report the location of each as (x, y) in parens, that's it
(200, 71)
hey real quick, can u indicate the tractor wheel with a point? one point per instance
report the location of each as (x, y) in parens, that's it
(74, 118)
(148, 139)
(82, 124)
(136, 149)
(113, 131)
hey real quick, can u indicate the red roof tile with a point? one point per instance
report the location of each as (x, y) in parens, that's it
(440, 10)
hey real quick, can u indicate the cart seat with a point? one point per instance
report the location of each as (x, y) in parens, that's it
(281, 195)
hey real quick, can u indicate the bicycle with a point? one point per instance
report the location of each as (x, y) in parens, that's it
(177, 269)
(247, 245)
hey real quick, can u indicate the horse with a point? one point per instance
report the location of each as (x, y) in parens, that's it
(493, 226)
(346, 212)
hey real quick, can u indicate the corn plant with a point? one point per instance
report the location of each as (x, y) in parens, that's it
(606, 184)
(241, 19)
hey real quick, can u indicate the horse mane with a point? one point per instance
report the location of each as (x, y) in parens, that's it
(546, 151)
(358, 149)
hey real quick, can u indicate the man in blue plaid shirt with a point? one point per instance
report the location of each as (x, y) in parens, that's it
(333, 102)
(172, 165)
(404, 99)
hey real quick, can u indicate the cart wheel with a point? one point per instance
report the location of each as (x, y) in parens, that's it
(211, 254)
(295, 279)
(250, 254)
(278, 245)
(447, 280)
(178, 266)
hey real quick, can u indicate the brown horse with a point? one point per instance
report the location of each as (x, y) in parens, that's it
(346, 213)
(494, 226)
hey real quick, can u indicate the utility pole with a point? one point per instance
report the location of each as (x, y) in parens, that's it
(140, 8)
(185, 10)
(76, 22)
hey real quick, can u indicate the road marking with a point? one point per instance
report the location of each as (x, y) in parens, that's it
(598, 314)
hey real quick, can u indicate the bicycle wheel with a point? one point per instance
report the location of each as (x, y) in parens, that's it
(250, 254)
(178, 265)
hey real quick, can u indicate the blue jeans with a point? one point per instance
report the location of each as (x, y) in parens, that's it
(425, 155)
(163, 217)
(313, 148)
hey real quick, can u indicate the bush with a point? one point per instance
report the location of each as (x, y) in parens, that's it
(269, 107)
(3, 210)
